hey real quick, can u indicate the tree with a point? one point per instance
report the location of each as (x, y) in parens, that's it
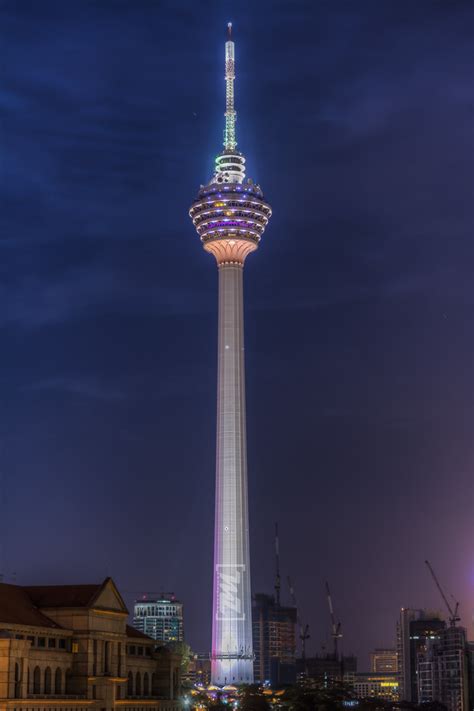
(252, 698)
(184, 650)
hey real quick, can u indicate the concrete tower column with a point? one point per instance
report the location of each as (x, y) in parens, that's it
(232, 623)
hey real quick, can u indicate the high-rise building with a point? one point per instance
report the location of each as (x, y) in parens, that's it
(383, 661)
(160, 618)
(230, 216)
(376, 686)
(327, 669)
(274, 641)
(443, 671)
(415, 630)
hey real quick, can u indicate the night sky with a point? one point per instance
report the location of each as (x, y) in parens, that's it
(357, 120)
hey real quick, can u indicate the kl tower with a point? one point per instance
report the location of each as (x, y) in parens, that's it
(230, 216)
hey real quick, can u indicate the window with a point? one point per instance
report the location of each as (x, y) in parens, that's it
(68, 682)
(138, 685)
(146, 685)
(140, 651)
(17, 682)
(41, 641)
(37, 681)
(130, 684)
(58, 682)
(62, 644)
(47, 681)
(32, 640)
(132, 649)
(52, 643)
(106, 657)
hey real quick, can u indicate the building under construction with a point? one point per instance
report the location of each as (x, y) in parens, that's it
(443, 672)
(327, 669)
(415, 630)
(274, 641)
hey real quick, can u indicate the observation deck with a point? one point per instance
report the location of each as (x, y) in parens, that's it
(230, 219)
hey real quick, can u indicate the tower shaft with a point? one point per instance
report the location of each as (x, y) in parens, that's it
(232, 657)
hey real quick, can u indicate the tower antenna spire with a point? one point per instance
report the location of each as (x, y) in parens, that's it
(230, 141)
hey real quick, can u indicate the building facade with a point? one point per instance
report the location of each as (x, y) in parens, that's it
(160, 618)
(70, 648)
(326, 669)
(230, 216)
(198, 672)
(444, 671)
(383, 661)
(274, 641)
(416, 629)
(376, 686)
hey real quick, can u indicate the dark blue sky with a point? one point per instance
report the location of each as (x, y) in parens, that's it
(357, 120)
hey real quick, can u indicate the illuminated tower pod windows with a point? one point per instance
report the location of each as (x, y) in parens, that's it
(230, 217)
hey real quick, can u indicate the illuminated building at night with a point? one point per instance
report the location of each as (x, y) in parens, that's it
(326, 669)
(230, 216)
(416, 629)
(376, 686)
(160, 618)
(199, 670)
(383, 661)
(274, 641)
(444, 670)
(69, 648)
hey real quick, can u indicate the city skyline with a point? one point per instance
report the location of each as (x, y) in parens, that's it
(358, 124)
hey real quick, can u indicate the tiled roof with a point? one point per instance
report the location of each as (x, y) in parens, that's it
(132, 632)
(62, 595)
(17, 608)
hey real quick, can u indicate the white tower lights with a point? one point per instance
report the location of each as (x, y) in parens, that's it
(230, 217)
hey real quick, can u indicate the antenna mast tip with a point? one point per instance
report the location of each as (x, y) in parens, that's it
(229, 29)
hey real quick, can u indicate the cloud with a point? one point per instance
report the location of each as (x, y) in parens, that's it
(83, 386)
(37, 300)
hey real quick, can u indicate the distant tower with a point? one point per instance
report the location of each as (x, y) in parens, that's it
(230, 217)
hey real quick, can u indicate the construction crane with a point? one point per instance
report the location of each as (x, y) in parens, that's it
(453, 614)
(304, 630)
(336, 631)
(277, 567)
